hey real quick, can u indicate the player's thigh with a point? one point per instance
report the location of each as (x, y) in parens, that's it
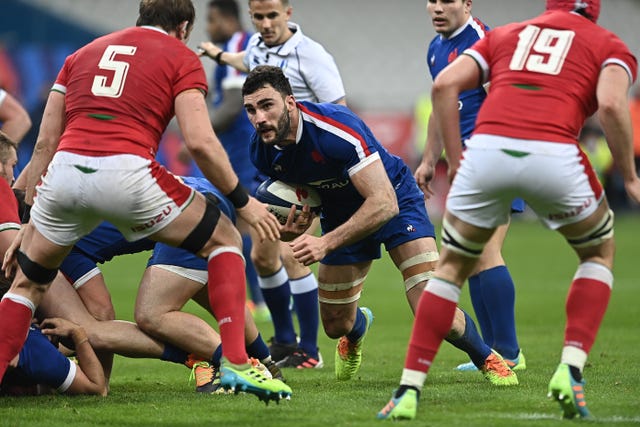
(41, 250)
(162, 291)
(96, 298)
(223, 232)
(602, 250)
(63, 301)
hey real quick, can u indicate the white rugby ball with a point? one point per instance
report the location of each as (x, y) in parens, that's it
(280, 196)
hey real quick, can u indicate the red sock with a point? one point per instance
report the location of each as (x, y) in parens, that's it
(227, 294)
(586, 304)
(432, 324)
(15, 318)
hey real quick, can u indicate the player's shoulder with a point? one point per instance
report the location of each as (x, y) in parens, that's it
(326, 111)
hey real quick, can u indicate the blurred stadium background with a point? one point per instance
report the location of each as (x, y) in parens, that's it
(379, 46)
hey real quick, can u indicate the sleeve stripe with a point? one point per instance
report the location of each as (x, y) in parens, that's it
(9, 226)
(71, 375)
(482, 63)
(621, 63)
(57, 87)
(337, 129)
(365, 162)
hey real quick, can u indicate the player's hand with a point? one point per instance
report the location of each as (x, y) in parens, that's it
(10, 262)
(308, 249)
(424, 175)
(58, 327)
(297, 224)
(452, 170)
(208, 49)
(633, 189)
(264, 222)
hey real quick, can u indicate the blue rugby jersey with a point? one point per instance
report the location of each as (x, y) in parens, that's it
(443, 51)
(333, 144)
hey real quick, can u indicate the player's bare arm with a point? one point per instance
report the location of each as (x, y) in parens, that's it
(462, 74)
(226, 58)
(15, 119)
(90, 377)
(51, 128)
(613, 113)
(379, 206)
(432, 151)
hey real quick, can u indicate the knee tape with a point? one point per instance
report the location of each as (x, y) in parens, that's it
(34, 271)
(202, 232)
(340, 293)
(602, 231)
(455, 242)
(418, 269)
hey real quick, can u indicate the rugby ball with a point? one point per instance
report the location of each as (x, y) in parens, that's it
(280, 196)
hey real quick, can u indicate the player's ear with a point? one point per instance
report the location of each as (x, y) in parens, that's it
(183, 31)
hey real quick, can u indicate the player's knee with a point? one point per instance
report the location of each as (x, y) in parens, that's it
(103, 314)
(595, 236)
(456, 242)
(35, 272)
(147, 321)
(265, 261)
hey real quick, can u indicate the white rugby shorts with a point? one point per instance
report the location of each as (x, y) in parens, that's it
(555, 179)
(137, 195)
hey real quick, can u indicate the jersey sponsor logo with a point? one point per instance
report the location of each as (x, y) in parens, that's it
(330, 184)
(411, 228)
(433, 60)
(156, 220)
(571, 213)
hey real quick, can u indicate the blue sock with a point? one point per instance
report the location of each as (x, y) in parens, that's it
(258, 349)
(359, 327)
(305, 298)
(484, 319)
(172, 353)
(471, 343)
(277, 293)
(217, 355)
(499, 297)
(250, 271)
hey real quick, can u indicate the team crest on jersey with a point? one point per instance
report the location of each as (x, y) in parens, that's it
(317, 157)
(452, 55)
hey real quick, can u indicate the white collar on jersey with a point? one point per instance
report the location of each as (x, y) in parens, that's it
(289, 46)
(150, 27)
(459, 30)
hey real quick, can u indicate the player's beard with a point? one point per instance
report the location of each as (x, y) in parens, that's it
(282, 130)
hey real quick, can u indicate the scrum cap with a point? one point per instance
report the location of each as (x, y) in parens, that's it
(589, 8)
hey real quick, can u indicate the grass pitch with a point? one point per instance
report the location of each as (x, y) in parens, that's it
(150, 392)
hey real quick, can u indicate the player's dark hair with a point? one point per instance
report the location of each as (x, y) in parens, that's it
(167, 14)
(266, 75)
(6, 144)
(227, 8)
(285, 3)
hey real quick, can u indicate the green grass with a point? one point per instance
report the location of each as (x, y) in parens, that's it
(149, 392)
